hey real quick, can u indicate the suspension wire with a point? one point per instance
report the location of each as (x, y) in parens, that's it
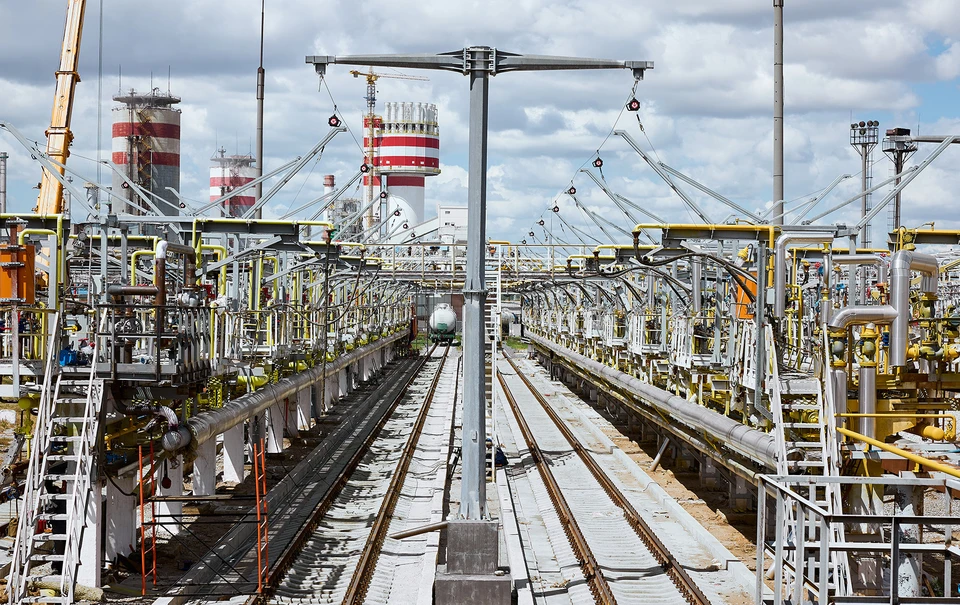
(337, 112)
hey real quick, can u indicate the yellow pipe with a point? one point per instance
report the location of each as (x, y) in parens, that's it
(221, 253)
(133, 263)
(770, 230)
(931, 464)
(948, 435)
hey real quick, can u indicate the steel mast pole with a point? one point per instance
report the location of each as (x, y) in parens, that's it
(479, 63)
(473, 498)
(777, 112)
(261, 78)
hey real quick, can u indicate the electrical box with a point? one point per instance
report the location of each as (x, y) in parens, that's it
(17, 282)
(744, 310)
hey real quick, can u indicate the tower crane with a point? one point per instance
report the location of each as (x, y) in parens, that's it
(371, 99)
(59, 136)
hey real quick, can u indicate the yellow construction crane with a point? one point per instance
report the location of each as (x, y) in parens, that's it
(371, 98)
(59, 136)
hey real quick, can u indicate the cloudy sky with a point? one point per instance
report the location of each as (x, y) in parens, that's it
(706, 107)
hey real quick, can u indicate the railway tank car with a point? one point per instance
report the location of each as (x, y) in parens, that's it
(443, 323)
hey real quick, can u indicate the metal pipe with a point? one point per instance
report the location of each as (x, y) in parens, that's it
(742, 439)
(930, 464)
(838, 385)
(780, 263)
(118, 290)
(208, 425)
(778, 114)
(696, 278)
(863, 314)
(416, 531)
(189, 264)
(858, 260)
(868, 400)
(660, 453)
(902, 263)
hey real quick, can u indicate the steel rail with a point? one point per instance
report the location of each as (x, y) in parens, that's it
(578, 542)
(664, 557)
(357, 590)
(286, 559)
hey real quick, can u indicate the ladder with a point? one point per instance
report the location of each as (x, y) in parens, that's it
(804, 421)
(66, 438)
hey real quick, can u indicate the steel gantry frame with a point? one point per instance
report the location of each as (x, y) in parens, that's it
(479, 63)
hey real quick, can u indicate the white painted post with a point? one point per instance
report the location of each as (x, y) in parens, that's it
(233, 454)
(205, 469)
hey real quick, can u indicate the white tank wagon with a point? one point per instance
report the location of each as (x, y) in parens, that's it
(443, 323)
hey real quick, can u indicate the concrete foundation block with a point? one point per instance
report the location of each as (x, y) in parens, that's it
(709, 475)
(459, 589)
(472, 547)
(120, 517)
(741, 497)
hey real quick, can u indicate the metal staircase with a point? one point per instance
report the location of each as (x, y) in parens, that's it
(64, 452)
(805, 423)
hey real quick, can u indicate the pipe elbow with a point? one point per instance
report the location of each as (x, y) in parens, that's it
(862, 314)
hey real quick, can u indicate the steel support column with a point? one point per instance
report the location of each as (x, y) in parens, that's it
(473, 487)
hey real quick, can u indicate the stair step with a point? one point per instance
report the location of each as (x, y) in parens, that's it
(56, 496)
(802, 425)
(46, 578)
(72, 419)
(66, 439)
(62, 457)
(46, 599)
(45, 557)
(53, 516)
(61, 477)
(794, 407)
(49, 537)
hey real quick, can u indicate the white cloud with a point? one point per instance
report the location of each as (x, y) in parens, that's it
(706, 107)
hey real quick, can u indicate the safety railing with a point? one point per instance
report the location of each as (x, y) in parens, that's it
(133, 345)
(889, 553)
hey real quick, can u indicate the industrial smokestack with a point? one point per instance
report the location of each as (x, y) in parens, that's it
(3, 182)
(329, 186)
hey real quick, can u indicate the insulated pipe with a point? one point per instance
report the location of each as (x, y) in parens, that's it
(838, 384)
(858, 260)
(696, 277)
(208, 425)
(780, 263)
(863, 314)
(753, 444)
(902, 263)
(868, 400)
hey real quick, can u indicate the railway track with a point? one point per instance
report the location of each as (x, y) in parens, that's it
(334, 557)
(230, 568)
(621, 557)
